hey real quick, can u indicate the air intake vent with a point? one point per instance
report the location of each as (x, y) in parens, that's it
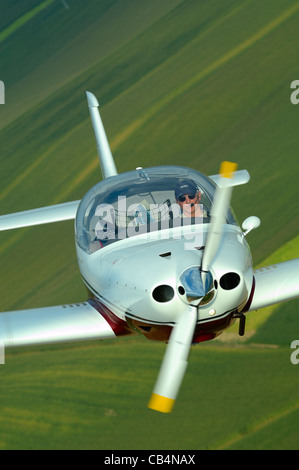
(230, 281)
(163, 293)
(165, 255)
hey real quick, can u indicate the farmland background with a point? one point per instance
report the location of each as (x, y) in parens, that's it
(190, 82)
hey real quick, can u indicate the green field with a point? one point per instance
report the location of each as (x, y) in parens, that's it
(189, 82)
(95, 397)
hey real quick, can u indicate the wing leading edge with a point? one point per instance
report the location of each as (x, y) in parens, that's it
(84, 321)
(43, 215)
(275, 283)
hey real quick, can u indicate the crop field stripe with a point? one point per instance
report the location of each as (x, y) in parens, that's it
(19, 179)
(258, 426)
(287, 251)
(234, 52)
(23, 19)
(157, 107)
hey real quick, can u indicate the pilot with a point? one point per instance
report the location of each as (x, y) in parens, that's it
(188, 195)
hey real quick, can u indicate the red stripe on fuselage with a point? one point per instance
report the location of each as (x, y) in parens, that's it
(249, 301)
(119, 326)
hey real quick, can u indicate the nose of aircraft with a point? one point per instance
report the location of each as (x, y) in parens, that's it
(155, 279)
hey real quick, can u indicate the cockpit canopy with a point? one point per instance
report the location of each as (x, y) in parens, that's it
(138, 202)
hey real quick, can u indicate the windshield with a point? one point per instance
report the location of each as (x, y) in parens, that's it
(142, 201)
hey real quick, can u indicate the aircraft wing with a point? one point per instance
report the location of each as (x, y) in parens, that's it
(84, 321)
(275, 283)
(43, 215)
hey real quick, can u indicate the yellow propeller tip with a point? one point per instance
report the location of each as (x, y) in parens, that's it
(227, 169)
(159, 403)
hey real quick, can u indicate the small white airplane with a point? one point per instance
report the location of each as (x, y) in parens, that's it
(162, 254)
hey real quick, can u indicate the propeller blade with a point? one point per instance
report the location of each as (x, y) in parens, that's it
(174, 363)
(219, 210)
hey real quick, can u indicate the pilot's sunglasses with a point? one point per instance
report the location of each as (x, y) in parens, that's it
(190, 196)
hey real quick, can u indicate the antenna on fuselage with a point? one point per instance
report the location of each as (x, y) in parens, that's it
(106, 158)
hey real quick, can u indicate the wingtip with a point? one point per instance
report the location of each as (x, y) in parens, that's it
(92, 100)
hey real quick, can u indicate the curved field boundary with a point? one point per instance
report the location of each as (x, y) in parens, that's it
(23, 19)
